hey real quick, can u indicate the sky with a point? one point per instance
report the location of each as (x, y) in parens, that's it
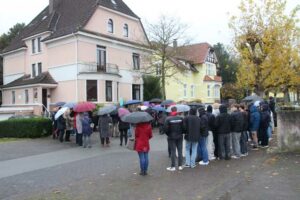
(207, 20)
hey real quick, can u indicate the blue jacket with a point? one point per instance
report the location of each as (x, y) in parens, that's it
(254, 118)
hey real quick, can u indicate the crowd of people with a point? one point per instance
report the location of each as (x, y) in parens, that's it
(217, 132)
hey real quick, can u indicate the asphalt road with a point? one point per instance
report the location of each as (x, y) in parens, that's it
(64, 171)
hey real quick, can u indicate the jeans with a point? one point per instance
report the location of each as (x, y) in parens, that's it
(68, 133)
(243, 142)
(104, 140)
(190, 153)
(61, 135)
(176, 144)
(87, 141)
(123, 134)
(270, 131)
(236, 147)
(202, 149)
(224, 146)
(216, 144)
(144, 161)
(210, 145)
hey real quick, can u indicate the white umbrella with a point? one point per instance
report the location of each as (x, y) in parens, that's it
(60, 112)
(180, 108)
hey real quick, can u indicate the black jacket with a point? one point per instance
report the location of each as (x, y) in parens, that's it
(204, 125)
(61, 123)
(265, 118)
(192, 125)
(173, 127)
(123, 125)
(246, 121)
(222, 122)
(237, 121)
(211, 121)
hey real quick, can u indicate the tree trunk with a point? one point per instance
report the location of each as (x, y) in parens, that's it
(298, 95)
(163, 87)
(286, 95)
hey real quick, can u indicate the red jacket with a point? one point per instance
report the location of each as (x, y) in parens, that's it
(143, 132)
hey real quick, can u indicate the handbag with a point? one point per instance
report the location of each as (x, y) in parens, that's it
(131, 144)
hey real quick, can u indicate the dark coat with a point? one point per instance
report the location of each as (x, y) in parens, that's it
(265, 118)
(143, 133)
(173, 127)
(237, 121)
(254, 118)
(222, 122)
(211, 121)
(86, 125)
(192, 125)
(203, 122)
(123, 125)
(103, 125)
(246, 120)
(61, 123)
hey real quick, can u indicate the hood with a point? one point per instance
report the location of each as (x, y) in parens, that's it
(201, 111)
(265, 107)
(253, 109)
(209, 109)
(223, 109)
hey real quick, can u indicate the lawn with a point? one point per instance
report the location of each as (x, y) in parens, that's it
(2, 140)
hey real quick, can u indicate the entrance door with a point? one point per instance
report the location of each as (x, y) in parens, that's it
(44, 98)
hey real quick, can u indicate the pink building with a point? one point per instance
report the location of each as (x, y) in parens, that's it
(75, 50)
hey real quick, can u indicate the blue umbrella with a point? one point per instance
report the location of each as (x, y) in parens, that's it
(106, 110)
(158, 109)
(132, 102)
(167, 102)
(60, 104)
(70, 105)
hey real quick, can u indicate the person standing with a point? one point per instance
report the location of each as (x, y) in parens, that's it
(103, 124)
(143, 133)
(202, 144)
(87, 130)
(174, 129)
(244, 135)
(192, 125)
(273, 110)
(222, 125)
(69, 124)
(79, 117)
(264, 125)
(211, 133)
(123, 129)
(254, 125)
(237, 126)
(61, 127)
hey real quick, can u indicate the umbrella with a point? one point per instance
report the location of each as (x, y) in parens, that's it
(84, 107)
(70, 105)
(158, 108)
(155, 100)
(167, 102)
(252, 98)
(106, 110)
(196, 105)
(122, 112)
(58, 104)
(132, 102)
(60, 112)
(146, 103)
(143, 108)
(180, 108)
(137, 117)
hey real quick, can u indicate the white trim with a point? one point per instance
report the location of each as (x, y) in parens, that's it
(119, 13)
(59, 38)
(14, 51)
(36, 35)
(29, 86)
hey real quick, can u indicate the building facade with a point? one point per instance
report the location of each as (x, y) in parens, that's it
(73, 51)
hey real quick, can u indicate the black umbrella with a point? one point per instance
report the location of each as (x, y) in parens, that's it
(155, 100)
(167, 102)
(196, 105)
(252, 98)
(137, 117)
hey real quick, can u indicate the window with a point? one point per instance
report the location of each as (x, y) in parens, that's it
(39, 69)
(108, 91)
(101, 58)
(125, 30)
(13, 97)
(110, 26)
(210, 69)
(26, 97)
(208, 90)
(217, 91)
(136, 92)
(39, 49)
(33, 46)
(91, 90)
(158, 69)
(117, 91)
(185, 90)
(192, 91)
(136, 61)
(33, 71)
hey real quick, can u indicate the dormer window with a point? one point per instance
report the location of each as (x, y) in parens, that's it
(36, 45)
(114, 2)
(36, 69)
(110, 26)
(125, 30)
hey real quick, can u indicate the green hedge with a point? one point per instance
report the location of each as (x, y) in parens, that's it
(26, 128)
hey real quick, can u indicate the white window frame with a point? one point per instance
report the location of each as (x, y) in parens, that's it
(126, 30)
(184, 90)
(210, 69)
(36, 69)
(36, 45)
(26, 96)
(136, 61)
(217, 91)
(110, 25)
(192, 90)
(208, 91)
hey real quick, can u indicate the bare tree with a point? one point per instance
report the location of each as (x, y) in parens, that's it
(164, 36)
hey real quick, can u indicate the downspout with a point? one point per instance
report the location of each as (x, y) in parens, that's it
(76, 53)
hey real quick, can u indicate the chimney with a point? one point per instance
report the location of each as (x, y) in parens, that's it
(175, 43)
(52, 5)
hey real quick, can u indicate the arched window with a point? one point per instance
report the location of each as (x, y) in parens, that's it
(110, 26)
(125, 30)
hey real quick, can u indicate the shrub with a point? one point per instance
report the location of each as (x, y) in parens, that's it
(26, 128)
